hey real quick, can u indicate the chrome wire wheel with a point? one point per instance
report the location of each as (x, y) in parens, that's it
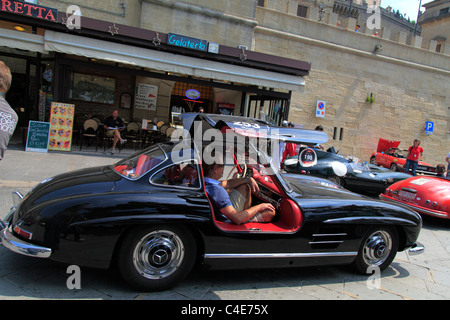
(158, 254)
(377, 248)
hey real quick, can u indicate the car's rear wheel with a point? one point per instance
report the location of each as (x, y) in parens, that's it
(373, 161)
(156, 258)
(394, 167)
(378, 249)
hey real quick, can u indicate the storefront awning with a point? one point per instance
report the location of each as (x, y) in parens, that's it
(20, 40)
(168, 62)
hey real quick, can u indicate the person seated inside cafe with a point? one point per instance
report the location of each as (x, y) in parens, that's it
(235, 204)
(113, 126)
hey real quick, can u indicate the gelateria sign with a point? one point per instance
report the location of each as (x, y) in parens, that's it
(187, 42)
(29, 10)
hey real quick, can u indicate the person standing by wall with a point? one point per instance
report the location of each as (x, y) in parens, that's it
(448, 166)
(415, 153)
(8, 117)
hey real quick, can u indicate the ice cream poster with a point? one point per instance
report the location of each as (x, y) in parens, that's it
(61, 126)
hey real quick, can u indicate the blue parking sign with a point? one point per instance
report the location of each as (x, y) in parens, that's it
(429, 127)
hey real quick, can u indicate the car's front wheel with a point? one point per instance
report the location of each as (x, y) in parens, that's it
(156, 258)
(378, 249)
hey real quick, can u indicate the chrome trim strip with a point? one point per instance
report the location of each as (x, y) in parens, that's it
(278, 255)
(328, 234)
(409, 190)
(8, 218)
(325, 242)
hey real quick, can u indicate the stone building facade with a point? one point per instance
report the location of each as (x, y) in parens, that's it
(435, 22)
(409, 81)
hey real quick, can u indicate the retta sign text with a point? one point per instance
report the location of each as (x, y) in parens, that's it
(29, 10)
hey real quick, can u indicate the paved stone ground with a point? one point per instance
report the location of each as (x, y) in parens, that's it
(425, 276)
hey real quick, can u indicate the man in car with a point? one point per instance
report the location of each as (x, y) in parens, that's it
(236, 205)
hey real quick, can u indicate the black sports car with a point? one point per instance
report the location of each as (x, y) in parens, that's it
(149, 213)
(355, 176)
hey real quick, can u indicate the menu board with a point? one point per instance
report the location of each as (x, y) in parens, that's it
(37, 137)
(61, 124)
(146, 96)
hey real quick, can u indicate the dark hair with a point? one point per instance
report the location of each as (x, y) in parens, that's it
(207, 166)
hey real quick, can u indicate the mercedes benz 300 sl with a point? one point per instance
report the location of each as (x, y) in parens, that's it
(150, 214)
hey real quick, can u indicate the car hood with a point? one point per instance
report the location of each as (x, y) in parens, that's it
(77, 183)
(309, 187)
(337, 205)
(384, 144)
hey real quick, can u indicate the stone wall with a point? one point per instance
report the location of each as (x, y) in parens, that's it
(410, 84)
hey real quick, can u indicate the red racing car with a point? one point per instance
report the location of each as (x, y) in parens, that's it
(424, 194)
(388, 155)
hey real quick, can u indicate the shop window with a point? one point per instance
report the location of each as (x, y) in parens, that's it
(93, 88)
(180, 89)
(188, 97)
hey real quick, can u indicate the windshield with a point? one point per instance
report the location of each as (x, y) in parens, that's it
(263, 162)
(359, 166)
(396, 152)
(136, 166)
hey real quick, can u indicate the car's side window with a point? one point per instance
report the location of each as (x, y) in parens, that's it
(136, 167)
(184, 174)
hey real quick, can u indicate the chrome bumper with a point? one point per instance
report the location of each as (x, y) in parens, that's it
(416, 249)
(8, 240)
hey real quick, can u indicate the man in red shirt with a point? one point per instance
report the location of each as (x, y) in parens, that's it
(415, 153)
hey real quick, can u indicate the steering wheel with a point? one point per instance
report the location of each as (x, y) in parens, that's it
(244, 172)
